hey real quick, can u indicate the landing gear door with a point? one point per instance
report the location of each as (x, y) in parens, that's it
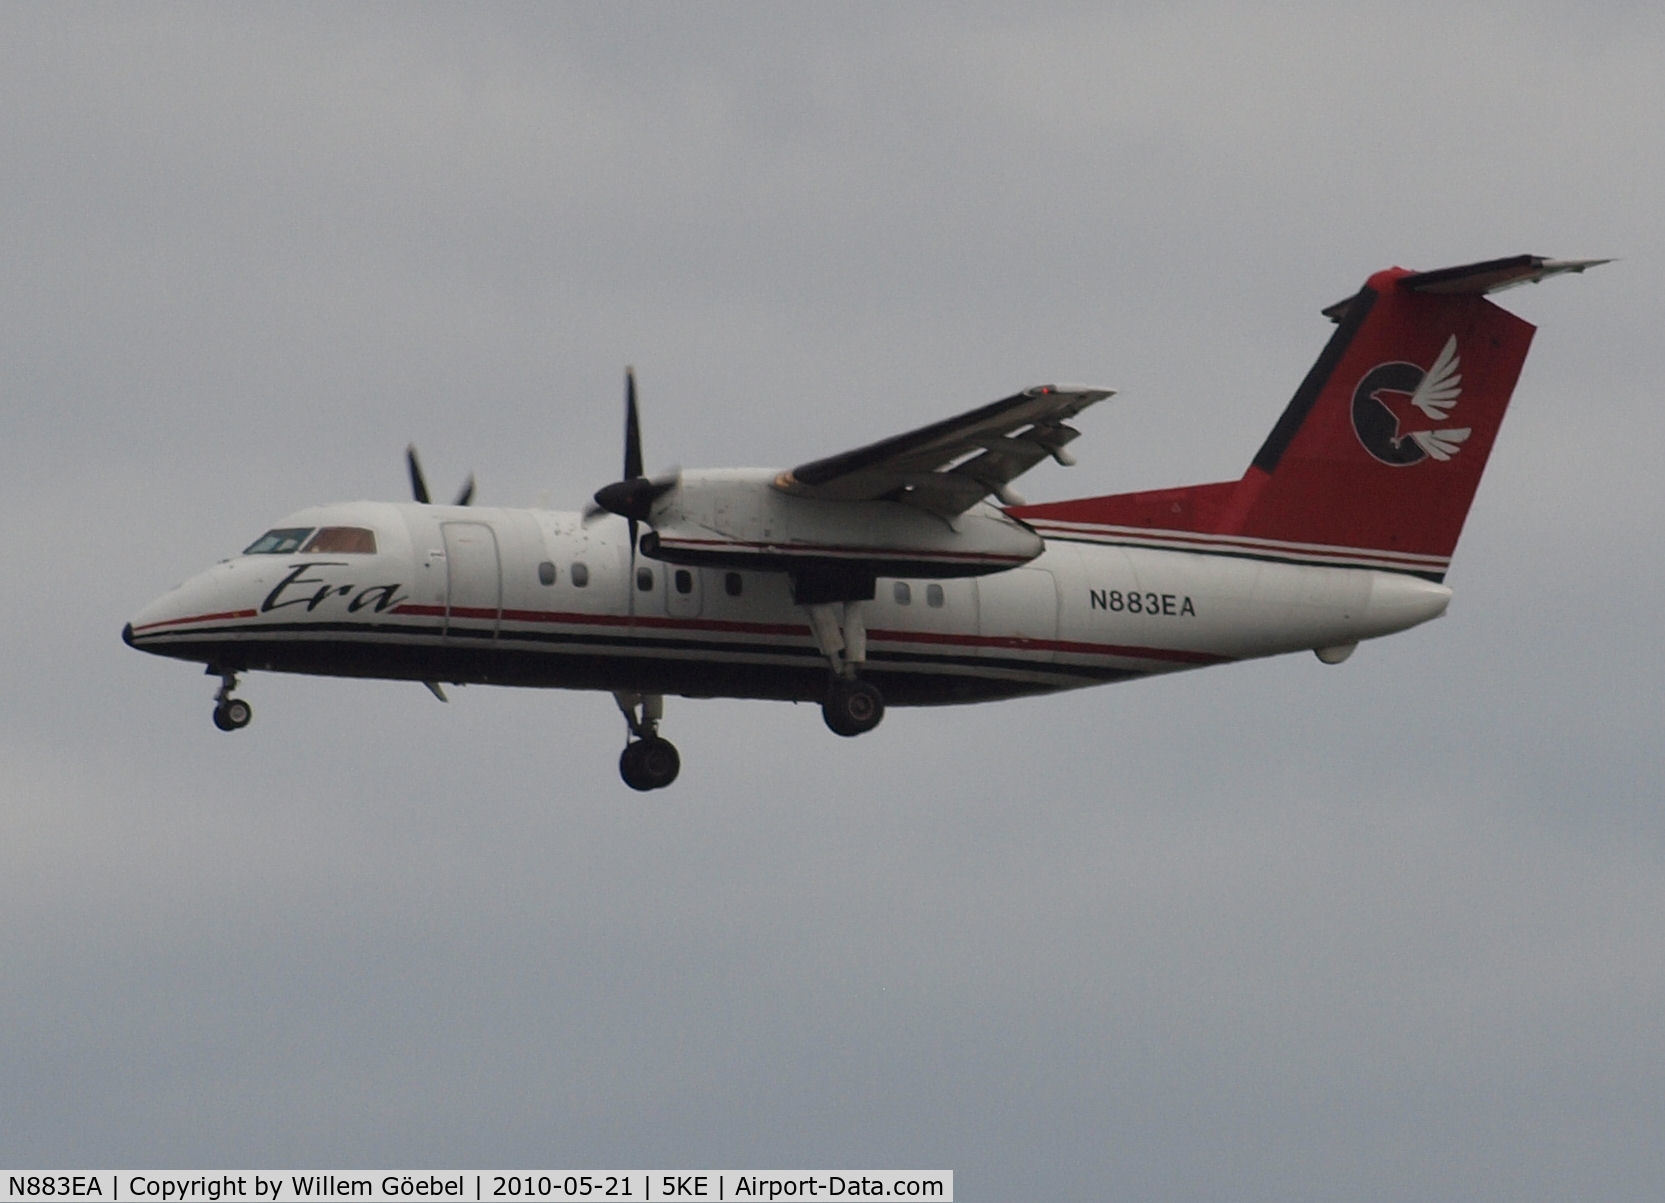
(473, 580)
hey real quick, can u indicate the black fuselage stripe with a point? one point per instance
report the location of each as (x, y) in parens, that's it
(229, 644)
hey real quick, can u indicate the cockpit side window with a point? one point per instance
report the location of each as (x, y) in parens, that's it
(283, 541)
(342, 540)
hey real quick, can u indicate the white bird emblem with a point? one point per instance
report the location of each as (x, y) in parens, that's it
(1436, 397)
(1418, 403)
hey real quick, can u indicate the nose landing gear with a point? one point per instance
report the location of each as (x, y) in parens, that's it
(648, 761)
(230, 714)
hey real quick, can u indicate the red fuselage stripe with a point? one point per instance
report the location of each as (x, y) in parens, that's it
(179, 622)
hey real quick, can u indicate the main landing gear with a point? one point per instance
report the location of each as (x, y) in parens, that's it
(230, 714)
(649, 761)
(851, 706)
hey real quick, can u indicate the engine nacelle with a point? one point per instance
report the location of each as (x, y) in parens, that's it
(736, 518)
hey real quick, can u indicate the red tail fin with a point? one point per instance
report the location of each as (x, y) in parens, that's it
(1377, 458)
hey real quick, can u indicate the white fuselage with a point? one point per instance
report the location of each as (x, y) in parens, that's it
(541, 598)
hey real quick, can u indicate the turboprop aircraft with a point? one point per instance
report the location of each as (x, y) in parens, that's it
(887, 574)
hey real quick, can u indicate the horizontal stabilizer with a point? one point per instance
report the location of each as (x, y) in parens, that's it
(1477, 279)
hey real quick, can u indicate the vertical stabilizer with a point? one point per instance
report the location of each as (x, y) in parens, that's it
(1378, 455)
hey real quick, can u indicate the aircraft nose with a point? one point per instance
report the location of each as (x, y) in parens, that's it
(181, 611)
(141, 630)
(138, 631)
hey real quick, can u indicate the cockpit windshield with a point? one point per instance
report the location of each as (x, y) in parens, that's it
(279, 542)
(342, 540)
(327, 540)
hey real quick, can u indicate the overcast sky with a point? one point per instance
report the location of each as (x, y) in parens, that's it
(1394, 930)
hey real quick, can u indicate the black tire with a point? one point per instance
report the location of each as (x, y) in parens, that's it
(649, 764)
(233, 714)
(853, 707)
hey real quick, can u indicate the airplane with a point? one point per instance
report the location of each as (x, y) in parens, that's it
(907, 571)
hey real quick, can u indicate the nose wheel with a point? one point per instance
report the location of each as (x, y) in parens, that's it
(233, 714)
(649, 761)
(230, 714)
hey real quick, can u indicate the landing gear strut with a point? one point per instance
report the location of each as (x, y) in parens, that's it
(230, 714)
(852, 706)
(649, 761)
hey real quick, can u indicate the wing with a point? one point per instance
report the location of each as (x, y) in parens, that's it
(1441, 384)
(949, 466)
(1442, 444)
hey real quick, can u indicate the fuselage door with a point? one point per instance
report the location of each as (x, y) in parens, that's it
(1017, 610)
(473, 580)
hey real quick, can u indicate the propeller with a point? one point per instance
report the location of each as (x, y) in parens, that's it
(632, 497)
(419, 482)
(632, 428)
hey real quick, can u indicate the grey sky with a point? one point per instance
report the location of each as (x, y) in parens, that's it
(1394, 930)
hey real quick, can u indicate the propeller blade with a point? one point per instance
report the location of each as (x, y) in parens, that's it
(632, 498)
(418, 483)
(632, 428)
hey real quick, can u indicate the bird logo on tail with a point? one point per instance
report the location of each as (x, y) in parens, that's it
(1400, 411)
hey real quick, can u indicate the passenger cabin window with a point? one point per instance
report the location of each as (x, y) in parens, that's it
(933, 595)
(580, 574)
(546, 573)
(644, 580)
(684, 581)
(342, 541)
(902, 592)
(732, 584)
(280, 542)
